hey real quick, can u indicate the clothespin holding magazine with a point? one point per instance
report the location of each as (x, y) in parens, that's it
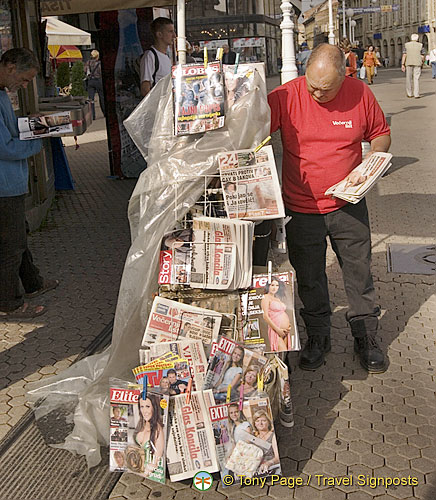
(262, 144)
(238, 56)
(229, 392)
(219, 54)
(205, 57)
(241, 397)
(260, 382)
(188, 392)
(144, 387)
(269, 271)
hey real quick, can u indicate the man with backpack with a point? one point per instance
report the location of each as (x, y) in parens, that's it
(155, 63)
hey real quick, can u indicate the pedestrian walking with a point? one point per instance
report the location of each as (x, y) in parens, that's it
(18, 67)
(432, 61)
(95, 81)
(370, 62)
(155, 63)
(302, 58)
(229, 57)
(344, 112)
(411, 63)
(350, 58)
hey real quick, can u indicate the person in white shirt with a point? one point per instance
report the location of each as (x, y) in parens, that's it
(155, 63)
(432, 61)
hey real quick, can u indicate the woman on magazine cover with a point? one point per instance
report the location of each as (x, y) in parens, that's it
(237, 422)
(274, 312)
(149, 435)
(248, 384)
(263, 429)
(231, 374)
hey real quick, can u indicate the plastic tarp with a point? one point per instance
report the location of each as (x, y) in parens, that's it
(165, 191)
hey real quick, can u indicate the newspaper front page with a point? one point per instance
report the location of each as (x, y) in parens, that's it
(251, 185)
(175, 319)
(191, 446)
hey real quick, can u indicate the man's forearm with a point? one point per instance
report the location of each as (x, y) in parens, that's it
(145, 88)
(381, 144)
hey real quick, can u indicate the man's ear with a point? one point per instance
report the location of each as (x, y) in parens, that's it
(11, 68)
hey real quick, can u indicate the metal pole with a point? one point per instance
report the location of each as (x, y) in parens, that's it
(331, 25)
(289, 67)
(181, 32)
(350, 29)
(344, 21)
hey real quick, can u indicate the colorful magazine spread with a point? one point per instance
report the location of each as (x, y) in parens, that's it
(198, 98)
(53, 125)
(138, 429)
(251, 185)
(268, 312)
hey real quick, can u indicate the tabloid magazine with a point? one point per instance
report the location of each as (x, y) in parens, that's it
(250, 184)
(198, 98)
(53, 125)
(245, 439)
(173, 320)
(191, 446)
(234, 371)
(361, 179)
(268, 312)
(175, 257)
(135, 446)
(168, 377)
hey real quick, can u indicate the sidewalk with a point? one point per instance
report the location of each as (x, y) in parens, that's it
(347, 422)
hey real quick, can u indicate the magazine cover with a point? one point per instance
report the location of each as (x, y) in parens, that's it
(233, 371)
(170, 377)
(245, 439)
(251, 185)
(191, 446)
(175, 319)
(138, 429)
(240, 80)
(52, 125)
(198, 98)
(269, 323)
(175, 258)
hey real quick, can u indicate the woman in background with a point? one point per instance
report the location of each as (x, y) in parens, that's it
(350, 58)
(370, 61)
(94, 80)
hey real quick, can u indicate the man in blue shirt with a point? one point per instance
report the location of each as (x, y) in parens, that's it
(18, 67)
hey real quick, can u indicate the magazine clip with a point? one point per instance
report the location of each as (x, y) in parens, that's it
(269, 272)
(205, 57)
(188, 392)
(262, 144)
(260, 382)
(219, 54)
(144, 387)
(241, 397)
(238, 56)
(229, 391)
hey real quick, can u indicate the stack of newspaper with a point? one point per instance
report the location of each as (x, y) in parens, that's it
(251, 185)
(221, 253)
(360, 180)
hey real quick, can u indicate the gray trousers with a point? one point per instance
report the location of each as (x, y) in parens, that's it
(412, 80)
(349, 233)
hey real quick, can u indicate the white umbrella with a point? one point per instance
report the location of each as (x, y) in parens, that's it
(60, 33)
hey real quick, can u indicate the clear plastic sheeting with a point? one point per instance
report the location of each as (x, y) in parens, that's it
(165, 191)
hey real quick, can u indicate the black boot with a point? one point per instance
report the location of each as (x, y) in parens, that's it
(312, 356)
(365, 345)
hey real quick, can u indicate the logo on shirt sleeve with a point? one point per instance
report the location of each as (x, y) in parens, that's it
(346, 123)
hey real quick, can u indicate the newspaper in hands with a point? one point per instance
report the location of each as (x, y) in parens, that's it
(361, 179)
(52, 125)
(250, 184)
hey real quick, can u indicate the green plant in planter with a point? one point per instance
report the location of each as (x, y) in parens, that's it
(77, 79)
(63, 75)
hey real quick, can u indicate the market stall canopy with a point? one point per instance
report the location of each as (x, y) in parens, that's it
(63, 7)
(59, 33)
(65, 53)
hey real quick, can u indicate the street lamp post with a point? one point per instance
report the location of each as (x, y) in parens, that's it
(344, 22)
(289, 67)
(331, 25)
(353, 25)
(350, 14)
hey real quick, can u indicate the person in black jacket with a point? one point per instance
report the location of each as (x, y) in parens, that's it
(95, 83)
(229, 57)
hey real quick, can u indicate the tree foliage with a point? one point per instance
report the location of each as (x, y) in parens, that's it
(63, 75)
(77, 79)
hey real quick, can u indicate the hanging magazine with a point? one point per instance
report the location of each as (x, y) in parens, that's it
(198, 98)
(53, 125)
(250, 184)
(360, 180)
(136, 446)
(175, 257)
(191, 446)
(268, 313)
(245, 439)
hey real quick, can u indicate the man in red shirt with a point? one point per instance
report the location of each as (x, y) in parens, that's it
(323, 118)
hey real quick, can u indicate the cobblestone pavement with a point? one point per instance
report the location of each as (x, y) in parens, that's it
(348, 423)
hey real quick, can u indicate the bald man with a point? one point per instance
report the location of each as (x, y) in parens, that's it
(323, 118)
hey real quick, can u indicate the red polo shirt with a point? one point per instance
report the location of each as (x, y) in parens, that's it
(322, 142)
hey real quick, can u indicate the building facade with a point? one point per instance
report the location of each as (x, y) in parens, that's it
(250, 27)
